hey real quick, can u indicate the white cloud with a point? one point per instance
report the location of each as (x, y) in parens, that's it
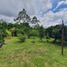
(7, 19)
(65, 1)
(54, 18)
(33, 7)
(10, 8)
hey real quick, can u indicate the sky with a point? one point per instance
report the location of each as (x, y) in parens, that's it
(49, 12)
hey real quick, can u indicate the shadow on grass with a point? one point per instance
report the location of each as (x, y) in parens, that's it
(19, 42)
(33, 41)
(58, 43)
(44, 41)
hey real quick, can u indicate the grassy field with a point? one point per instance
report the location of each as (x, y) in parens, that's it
(31, 53)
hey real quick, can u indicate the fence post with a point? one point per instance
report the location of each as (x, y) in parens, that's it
(62, 42)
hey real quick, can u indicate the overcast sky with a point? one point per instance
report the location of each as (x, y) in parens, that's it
(50, 12)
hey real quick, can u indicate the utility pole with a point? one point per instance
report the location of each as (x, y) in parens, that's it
(62, 42)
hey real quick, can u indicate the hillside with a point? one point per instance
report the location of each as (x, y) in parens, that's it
(31, 53)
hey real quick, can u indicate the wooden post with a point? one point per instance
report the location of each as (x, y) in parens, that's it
(62, 43)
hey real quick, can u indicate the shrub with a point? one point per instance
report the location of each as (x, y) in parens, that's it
(1, 40)
(22, 38)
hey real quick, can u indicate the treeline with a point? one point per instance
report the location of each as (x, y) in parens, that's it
(56, 32)
(26, 27)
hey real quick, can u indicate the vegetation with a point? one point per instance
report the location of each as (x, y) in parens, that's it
(31, 46)
(56, 32)
(22, 38)
(41, 32)
(29, 54)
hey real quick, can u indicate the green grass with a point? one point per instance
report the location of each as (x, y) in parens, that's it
(31, 53)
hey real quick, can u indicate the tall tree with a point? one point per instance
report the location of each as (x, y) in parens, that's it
(41, 32)
(54, 32)
(2, 33)
(23, 17)
(34, 20)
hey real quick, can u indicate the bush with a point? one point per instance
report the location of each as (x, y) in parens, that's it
(33, 33)
(22, 38)
(1, 40)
